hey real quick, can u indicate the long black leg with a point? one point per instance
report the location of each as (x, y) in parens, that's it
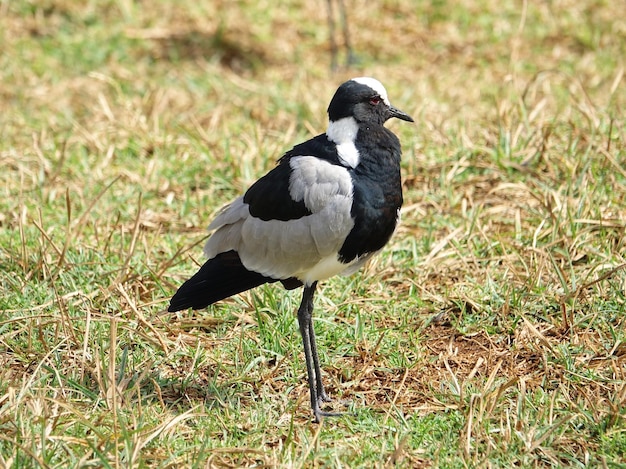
(331, 34)
(321, 392)
(304, 314)
(350, 57)
(314, 374)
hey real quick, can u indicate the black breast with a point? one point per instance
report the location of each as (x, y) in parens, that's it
(377, 193)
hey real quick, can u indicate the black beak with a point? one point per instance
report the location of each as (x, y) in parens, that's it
(394, 112)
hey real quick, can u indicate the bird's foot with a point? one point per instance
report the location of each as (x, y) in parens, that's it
(318, 413)
(352, 58)
(323, 397)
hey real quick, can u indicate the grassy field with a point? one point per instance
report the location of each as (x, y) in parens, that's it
(489, 333)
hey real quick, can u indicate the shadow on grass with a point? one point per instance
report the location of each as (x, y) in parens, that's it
(239, 55)
(175, 393)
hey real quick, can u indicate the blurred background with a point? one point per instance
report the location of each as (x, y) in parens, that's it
(488, 333)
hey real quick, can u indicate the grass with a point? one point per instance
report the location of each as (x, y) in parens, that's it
(489, 333)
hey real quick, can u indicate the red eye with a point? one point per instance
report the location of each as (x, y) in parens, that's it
(375, 100)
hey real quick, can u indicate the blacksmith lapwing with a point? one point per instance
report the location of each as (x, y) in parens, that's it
(329, 205)
(334, 49)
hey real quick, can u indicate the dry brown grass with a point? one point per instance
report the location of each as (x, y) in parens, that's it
(491, 331)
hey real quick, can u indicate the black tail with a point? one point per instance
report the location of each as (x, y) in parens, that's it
(220, 277)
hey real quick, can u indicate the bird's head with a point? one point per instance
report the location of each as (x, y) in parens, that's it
(364, 99)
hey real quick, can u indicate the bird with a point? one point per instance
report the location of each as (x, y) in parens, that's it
(350, 58)
(325, 209)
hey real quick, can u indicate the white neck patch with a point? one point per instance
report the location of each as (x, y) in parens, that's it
(343, 134)
(376, 86)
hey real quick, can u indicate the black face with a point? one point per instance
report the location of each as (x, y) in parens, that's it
(354, 99)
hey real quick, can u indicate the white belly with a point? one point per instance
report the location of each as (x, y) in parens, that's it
(326, 268)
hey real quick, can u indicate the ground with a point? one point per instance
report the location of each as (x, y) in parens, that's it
(488, 333)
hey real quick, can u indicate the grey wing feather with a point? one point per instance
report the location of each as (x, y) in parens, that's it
(284, 249)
